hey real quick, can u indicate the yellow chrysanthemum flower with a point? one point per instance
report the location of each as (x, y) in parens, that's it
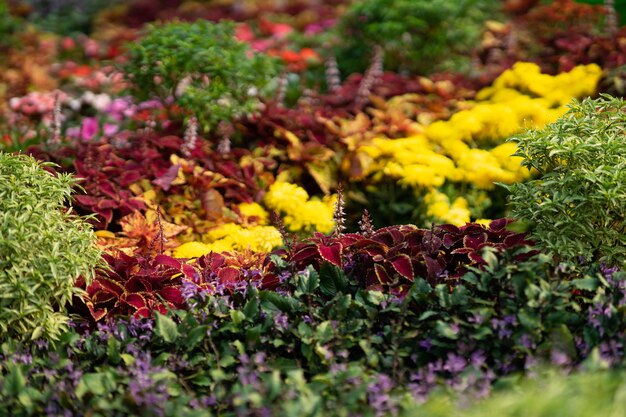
(300, 213)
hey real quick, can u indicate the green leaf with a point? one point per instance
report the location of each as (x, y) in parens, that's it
(251, 308)
(14, 382)
(589, 284)
(93, 383)
(332, 280)
(276, 301)
(166, 328)
(308, 281)
(196, 335)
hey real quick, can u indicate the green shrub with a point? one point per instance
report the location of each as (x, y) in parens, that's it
(44, 248)
(593, 394)
(576, 207)
(8, 25)
(417, 36)
(223, 80)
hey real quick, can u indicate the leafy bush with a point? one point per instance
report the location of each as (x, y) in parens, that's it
(67, 17)
(319, 345)
(8, 24)
(576, 207)
(417, 36)
(203, 66)
(588, 394)
(44, 248)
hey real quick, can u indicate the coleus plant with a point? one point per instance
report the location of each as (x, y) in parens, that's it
(138, 285)
(392, 257)
(134, 286)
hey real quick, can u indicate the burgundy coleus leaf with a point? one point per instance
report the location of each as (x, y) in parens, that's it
(106, 284)
(381, 274)
(515, 239)
(474, 242)
(449, 240)
(96, 313)
(172, 295)
(403, 266)
(136, 284)
(434, 267)
(476, 258)
(229, 276)
(165, 181)
(129, 177)
(135, 300)
(86, 200)
(377, 252)
(305, 255)
(499, 225)
(143, 312)
(189, 272)
(331, 253)
(167, 261)
(269, 281)
(106, 204)
(102, 297)
(390, 236)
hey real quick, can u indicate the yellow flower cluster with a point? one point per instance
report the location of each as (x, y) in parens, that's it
(558, 90)
(461, 149)
(232, 237)
(253, 211)
(300, 212)
(439, 208)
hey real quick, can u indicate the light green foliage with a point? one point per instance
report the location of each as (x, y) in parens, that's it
(577, 205)
(224, 80)
(586, 394)
(8, 25)
(44, 248)
(417, 36)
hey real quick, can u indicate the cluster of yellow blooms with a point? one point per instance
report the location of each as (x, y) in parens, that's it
(236, 237)
(300, 212)
(519, 99)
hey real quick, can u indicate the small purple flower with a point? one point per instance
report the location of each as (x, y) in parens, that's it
(281, 320)
(425, 344)
(455, 364)
(378, 396)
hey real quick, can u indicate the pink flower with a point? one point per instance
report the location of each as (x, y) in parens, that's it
(89, 128)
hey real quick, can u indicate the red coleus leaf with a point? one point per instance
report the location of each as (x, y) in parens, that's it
(305, 255)
(107, 285)
(403, 266)
(167, 261)
(331, 253)
(86, 200)
(143, 312)
(189, 271)
(102, 297)
(172, 295)
(137, 301)
(229, 275)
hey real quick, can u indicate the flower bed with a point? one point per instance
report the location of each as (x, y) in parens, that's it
(244, 211)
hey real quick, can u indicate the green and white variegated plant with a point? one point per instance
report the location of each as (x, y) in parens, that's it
(44, 248)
